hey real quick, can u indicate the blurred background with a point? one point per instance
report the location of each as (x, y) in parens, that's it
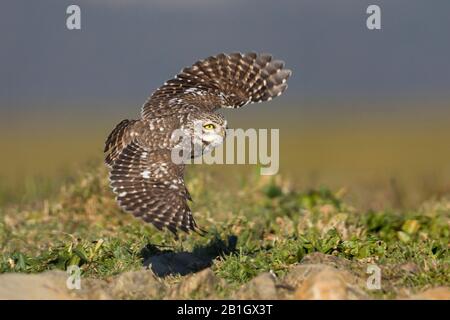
(366, 110)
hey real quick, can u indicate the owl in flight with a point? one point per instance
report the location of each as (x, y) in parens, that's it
(143, 175)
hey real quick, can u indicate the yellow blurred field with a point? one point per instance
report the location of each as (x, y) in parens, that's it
(390, 158)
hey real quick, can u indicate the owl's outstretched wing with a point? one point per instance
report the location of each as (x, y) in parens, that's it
(150, 186)
(221, 81)
(117, 140)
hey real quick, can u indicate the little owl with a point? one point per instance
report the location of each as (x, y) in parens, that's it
(143, 175)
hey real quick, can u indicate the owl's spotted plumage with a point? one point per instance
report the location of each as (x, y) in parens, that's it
(146, 180)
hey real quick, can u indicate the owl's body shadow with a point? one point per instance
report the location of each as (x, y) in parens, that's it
(168, 262)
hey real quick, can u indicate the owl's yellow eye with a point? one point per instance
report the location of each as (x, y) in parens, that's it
(209, 126)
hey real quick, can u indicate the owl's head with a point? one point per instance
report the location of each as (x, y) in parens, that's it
(207, 130)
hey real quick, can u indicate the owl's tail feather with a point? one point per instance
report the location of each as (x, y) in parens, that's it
(241, 78)
(117, 141)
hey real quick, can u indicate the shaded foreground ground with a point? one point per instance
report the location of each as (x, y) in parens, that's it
(266, 240)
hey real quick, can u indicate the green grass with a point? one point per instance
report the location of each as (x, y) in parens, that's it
(255, 224)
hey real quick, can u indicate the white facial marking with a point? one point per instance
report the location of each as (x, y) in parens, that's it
(210, 137)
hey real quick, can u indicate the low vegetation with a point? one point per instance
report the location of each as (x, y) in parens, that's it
(258, 224)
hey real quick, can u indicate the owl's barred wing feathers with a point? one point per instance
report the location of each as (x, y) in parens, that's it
(150, 186)
(117, 140)
(222, 81)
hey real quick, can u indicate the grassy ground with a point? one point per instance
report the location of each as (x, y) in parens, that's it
(255, 224)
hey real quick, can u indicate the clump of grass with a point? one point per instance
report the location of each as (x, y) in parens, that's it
(272, 226)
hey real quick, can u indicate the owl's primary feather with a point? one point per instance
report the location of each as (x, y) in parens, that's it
(138, 152)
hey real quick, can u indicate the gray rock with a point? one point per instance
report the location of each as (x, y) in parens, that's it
(330, 284)
(52, 285)
(135, 285)
(262, 287)
(198, 285)
(437, 293)
(44, 286)
(298, 273)
(321, 276)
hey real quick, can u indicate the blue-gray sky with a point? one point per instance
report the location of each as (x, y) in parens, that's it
(128, 48)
